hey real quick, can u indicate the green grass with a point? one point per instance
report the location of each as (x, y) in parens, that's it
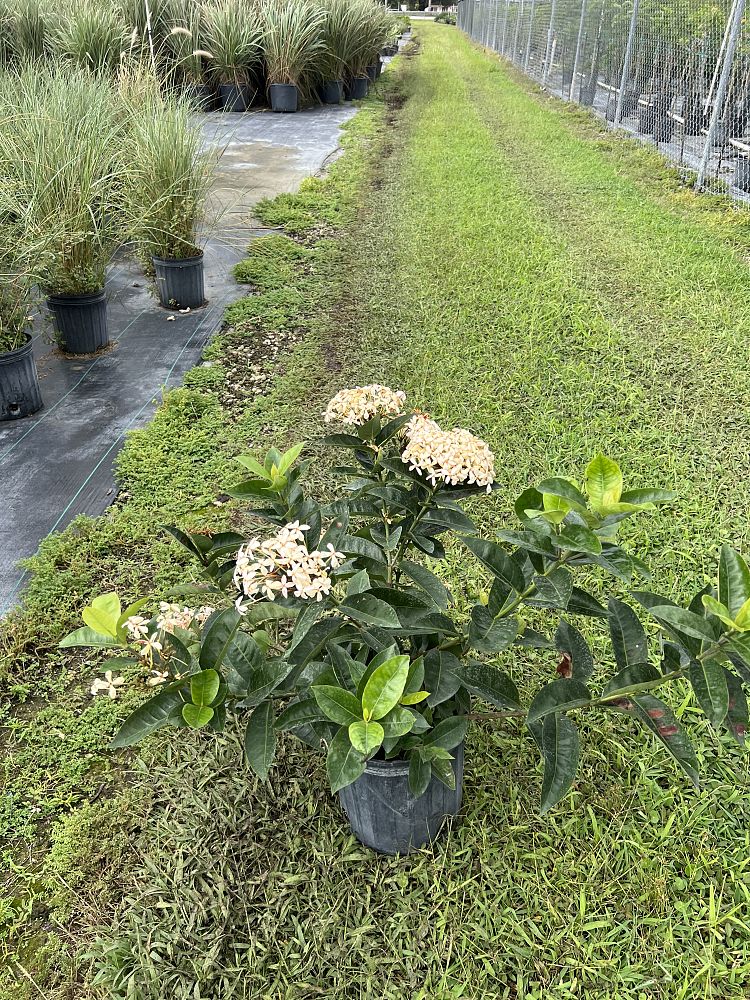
(520, 272)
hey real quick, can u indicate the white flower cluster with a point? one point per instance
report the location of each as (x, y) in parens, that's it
(172, 616)
(455, 457)
(282, 565)
(357, 406)
(107, 685)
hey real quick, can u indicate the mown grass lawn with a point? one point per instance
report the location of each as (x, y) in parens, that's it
(521, 272)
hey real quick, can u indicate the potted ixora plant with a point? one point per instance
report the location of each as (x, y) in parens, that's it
(164, 193)
(232, 38)
(293, 46)
(332, 627)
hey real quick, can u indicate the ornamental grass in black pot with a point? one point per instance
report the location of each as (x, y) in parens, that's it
(293, 46)
(232, 36)
(20, 395)
(332, 623)
(164, 192)
(63, 155)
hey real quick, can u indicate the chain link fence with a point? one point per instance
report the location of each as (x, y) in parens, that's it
(674, 73)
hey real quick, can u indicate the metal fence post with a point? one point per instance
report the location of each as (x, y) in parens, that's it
(519, 15)
(494, 26)
(721, 90)
(528, 37)
(505, 26)
(577, 57)
(550, 36)
(626, 65)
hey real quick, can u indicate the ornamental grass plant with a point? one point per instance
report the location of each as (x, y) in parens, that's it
(233, 34)
(293, 41)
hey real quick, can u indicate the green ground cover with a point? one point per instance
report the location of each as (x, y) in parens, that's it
(521, 272)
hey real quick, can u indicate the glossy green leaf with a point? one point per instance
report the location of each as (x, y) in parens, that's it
(721, 611)
(603, 482)
(204, 687)
(662, 721)
(147, 719)
(489, 682)
(497, 561)
(558, 696)
(399, 721)
(734, 580)
(565, 489)
(414, 697)
(300, 713)
(440, 676)
(629, 641)
(443, 771)
(337, 704)
(420, 773)
(737, 717)
(631, 678)
(260, 739)
(385, 687)
(553, 591)
(87, 636)
(344, 764)
(710, 685)
(197, 716)
(428, 582)
(560, 750)
(366, 736)
(577, 538)
(217, 636)
(680, 621)
(369, 610)
(448, 733)
(103, 614)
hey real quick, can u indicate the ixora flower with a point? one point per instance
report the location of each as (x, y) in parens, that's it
(107, 685)
(358, 405)
(454, 457)
(172, 616)
(283, 566)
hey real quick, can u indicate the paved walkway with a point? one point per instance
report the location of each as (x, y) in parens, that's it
(59, 463)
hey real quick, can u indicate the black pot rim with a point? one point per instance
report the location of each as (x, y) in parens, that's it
(8, 357)
(84, 298)
(284, 86)
(176, 261)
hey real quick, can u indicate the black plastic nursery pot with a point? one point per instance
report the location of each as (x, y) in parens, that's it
(372, 73)
(284, 97)
(179, 282)
(385, 816)
(663, 127)
(646, 119)
(356, 88)
(378, 68)
(741, 175)
(236, 97)
(19, 384)
(80, 321)
(201, 96)
(331, 92)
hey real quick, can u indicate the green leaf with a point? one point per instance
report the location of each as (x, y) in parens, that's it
(577, 538)
(443, 771)
(680, 621)
(710, 685)
(414, 697)
(742, 619)
(721, 611)
(631, 677)
(369, 610)
(420, 773)
(737, 717)
(497, 561)
(358, 584)
(243, 658)
(569, 641)
(385, 687)
(260, 739)
(628, 635)
(490, 683)
(204, 687)
(440, 676)
(734, 580)
(147, 719)
(103, 614)
(132, 609)
(560, 749)
(197, 716)
(290, 457)
(344, 764)
(553, 591)
(448, 733)
(218, 633)
(252, 465)
(662, 721)
(337, 704)
(399, 722)
(89, 637)
(565, 490)
(428, 582)
(558, 696)
(603, 482)
(300, 713)
(366, 736)
(581, 603)
(644, 497)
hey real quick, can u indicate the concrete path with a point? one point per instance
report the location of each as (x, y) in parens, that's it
(58, 463)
